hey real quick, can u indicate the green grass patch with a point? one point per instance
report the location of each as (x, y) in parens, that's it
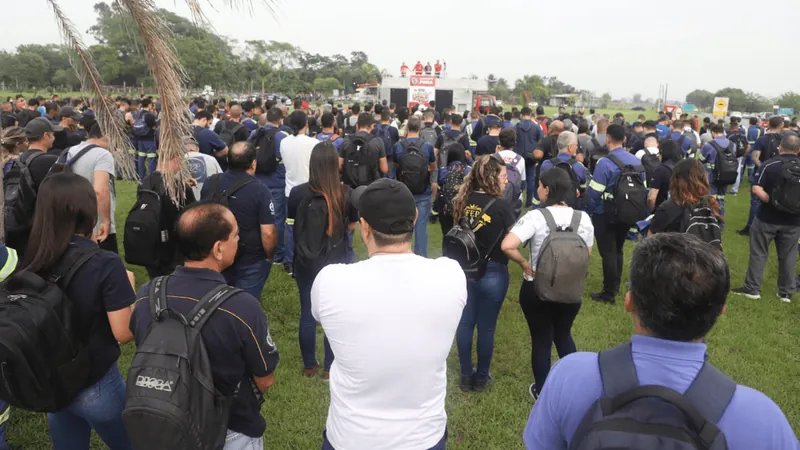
(755, 343)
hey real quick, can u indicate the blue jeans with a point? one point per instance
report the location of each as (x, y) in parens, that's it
(441, 445)
(421, 227)
(146, 152)
(99, 408)
(308, 326)
(530, 184)
(250, 278)
(279, 203)
(484, 299)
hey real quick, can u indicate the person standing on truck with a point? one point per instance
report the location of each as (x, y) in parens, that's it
(418, 68)
(403, 70)
(437, 69)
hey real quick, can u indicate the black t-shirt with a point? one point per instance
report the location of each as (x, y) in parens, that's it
(26, 115)
(65, 139)
(668, 218)
(490, 232)
(660, 181)
(768, 177)
(38, 165)
(7, 119)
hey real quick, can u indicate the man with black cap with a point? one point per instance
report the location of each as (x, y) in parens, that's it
(389, 378)
(69, 119)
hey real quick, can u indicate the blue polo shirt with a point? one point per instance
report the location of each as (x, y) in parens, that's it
(100, 286)
(662, 131)
(578, 168)
(708, 156)
(249, 123)
(606, 174)
(275, 180)
(252, 206)
(323, 137)
(686, 146)
(208, 142)
(477, 128)
(236, 337)
(427, 151)
(751, 422)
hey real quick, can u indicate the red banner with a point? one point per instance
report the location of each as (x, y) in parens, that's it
(427, 81)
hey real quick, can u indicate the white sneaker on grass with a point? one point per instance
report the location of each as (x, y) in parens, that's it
(785, 298)
(746, 293)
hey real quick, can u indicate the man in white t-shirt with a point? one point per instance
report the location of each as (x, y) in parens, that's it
(388, 381)
(505, 149)
(296, 151)
(92, 161)
(650, 146)
(201, 166)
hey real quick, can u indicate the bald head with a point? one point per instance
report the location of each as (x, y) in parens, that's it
(242, 156)
(201, 227)
(651, 142)
(602, 125)
(236, 112)
(790, 143)
(556, 127)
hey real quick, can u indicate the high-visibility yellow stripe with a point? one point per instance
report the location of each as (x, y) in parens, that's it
(535, 202)
(608, 196)
(152, 155)
(719, 197)
(141, 154)
(5, 415)
(711, 166)
(289, 221)
(650, 217)
(9, 266)
(597, 186)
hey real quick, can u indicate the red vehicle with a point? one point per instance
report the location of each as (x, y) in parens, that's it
(482, 102)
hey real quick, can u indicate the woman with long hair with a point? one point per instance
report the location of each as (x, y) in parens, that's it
(671, 154)
(101, 294)
(323, 216)
(480, 202)
(548, 322)
(458, 169)
(13, 142)
(688, 188)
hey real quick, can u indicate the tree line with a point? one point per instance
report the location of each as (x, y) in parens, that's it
(208, 59)
(742, 101)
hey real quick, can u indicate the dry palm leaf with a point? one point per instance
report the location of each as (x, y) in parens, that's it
(111, 121)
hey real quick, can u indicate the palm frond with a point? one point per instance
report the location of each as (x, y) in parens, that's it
(169, 77)
(199, 16)
(111, 121)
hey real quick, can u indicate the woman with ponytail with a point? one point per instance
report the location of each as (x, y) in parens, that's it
(480, 201)
(13, 143)
(322, 214)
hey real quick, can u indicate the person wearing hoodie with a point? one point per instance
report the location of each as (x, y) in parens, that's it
(481, 127)
(708, 156)
(529, 134)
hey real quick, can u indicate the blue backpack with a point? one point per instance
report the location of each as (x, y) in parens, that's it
(140, 128)
(631, 416)
(385, 133)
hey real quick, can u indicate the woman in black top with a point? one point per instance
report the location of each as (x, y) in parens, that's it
(101, 293)
(671, 153)
(688, 187)
(328, 237)
(484, 184)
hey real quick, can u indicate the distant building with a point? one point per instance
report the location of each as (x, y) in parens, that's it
(560, 100)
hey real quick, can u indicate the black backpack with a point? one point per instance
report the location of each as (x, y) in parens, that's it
(740, 141)
(566, 166)
(630, 416)
(726, 169)
(223, 196)
(772, 147)
(64, 163)
(700, 221)
(629, 204)
(598, 152)
(44, 364)
(349, 124)
(650, 162)
(786, 194)
(413, 170)
(360, 164)
(171, 399)
(266, 157)
(228, 132)
(313, 248)
(461, 245)
(19, 192)
(143, 234)
(450, 186)
(448, 142)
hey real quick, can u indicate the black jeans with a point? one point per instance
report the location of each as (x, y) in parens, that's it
(446, 222)
(610, 241)
(548, 323)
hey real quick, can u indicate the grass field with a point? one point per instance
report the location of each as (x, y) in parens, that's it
(755, 343)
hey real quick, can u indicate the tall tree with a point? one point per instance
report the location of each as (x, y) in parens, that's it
(637, 98)
(700, 98)
(605, 100)
(737, 98)
(531, 88)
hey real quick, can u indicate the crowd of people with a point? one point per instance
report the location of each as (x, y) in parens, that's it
(273, 187)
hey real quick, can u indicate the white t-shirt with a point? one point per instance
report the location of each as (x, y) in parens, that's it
(509, 155)
(532, 226)
(388, 381)
(640, 153)
(97, 159)
(296, 155)
(202, 167)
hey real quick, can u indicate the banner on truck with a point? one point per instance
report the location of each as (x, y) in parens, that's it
(421, 95)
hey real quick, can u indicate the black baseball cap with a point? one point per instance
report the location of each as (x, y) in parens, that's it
(387, 205)
(69, 111)
(39, 126)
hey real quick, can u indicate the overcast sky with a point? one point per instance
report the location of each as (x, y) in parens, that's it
(622, 47)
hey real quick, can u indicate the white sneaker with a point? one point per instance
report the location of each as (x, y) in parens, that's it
(784, 298)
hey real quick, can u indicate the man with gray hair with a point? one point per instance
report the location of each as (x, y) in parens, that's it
(777, 186)
(650, 146)
(565, 159)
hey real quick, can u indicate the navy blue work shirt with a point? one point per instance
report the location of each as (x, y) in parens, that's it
(768, 176)
(427, 151)
(252, 206)
(236, 337)
(606, 174)
(207, 141)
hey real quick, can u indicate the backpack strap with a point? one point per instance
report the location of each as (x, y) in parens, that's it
(157, 296)
(213, 184)
(711, 392)
(616, 161)
(69, 263)
(548, 217)
(576, 220)
(595, 143)
(239, 184)
(617, 371)
(79, 155)
(201, 312)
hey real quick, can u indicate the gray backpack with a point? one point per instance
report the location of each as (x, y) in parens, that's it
(171, 399)
(429, 135)
(563, 262)
(630, 416)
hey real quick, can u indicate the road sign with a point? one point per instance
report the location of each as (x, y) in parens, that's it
(786, 111)
(689, 107)
(721, 106)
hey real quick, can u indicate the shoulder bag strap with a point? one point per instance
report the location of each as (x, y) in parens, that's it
(240, 184)
(80, 154)
(199, 315)
(157, 296)
(548, 217)
(617, 370)
(711, 392)
(616, 161)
